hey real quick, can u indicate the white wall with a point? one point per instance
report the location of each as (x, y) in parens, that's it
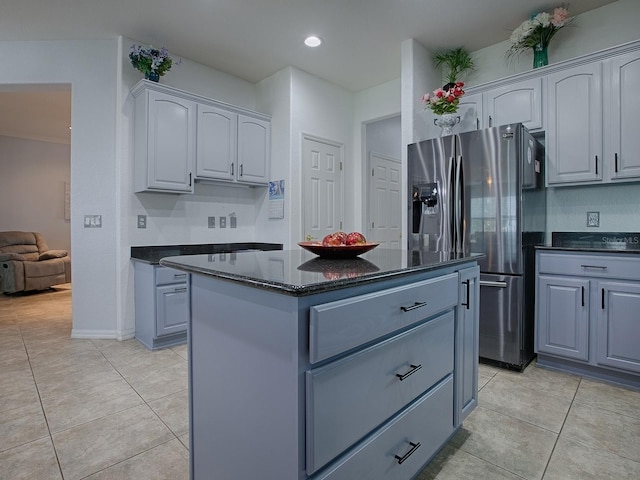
(90, 67)
(32, 188)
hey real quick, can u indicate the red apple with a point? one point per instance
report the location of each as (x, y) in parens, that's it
(330, 240)
(355, 238)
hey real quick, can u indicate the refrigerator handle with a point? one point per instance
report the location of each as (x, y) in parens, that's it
(451, 203)
(459, 241)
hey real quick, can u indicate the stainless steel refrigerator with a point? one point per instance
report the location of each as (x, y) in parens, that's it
(482, 191)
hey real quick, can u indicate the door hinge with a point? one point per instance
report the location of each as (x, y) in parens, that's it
(373, 225)
(373, 172)
(340, 224)
(340, 166)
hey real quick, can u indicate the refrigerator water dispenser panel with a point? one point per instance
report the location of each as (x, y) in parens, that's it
(426, 202)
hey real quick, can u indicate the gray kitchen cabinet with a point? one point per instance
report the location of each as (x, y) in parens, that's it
(471, 113)
(232, 146)
(621, 107)
(587, 320)
(336, 384)
(467, 341)
(563, 316)
(165, 132)
(515, 102)
(618, 325)
(574, 125)
(162, 305)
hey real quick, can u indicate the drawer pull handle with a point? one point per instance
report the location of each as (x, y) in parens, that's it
(180, 275)
(414, 447)
(180, 290)
(414, 369)
(414, 306)
(601, 267)
(488, 283)
(467, 282)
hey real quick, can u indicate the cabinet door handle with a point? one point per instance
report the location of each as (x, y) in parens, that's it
(490, 121)
(189, 178)
(487, 283)
(414, 447)
(477, 123)
(232, 169)
(616, 162)
(602, 305)
(180, 290)
(596, 164)
(583, 295)
(601, 267)
(467, 282)
(414, 369)
(241, 169)
(414, 306)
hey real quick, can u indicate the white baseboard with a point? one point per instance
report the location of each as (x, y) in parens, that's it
(108, 334)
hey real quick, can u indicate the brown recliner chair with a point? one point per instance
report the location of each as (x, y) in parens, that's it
(26, 263)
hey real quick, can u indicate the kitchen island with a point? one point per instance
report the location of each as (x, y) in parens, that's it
(301, 367)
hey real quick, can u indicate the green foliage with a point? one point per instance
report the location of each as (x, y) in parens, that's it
(457, 62)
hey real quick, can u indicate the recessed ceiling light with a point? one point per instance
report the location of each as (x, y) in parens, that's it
(312, 41)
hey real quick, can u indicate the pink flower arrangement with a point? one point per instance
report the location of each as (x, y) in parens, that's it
(444, 101)
(538, 31)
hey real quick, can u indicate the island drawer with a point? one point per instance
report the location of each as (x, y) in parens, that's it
(352, 396)
(621, 266)
(337, 327)
(166, 276)
(412, 438)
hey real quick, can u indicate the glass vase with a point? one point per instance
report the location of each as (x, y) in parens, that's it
(153, 76)
(540, 56)
(446, 122)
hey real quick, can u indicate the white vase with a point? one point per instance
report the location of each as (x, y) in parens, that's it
(446, 122)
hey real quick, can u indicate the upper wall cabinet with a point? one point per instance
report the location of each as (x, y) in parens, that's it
(512, 103)
(181, 137)
(517, 102)
(622, 104)
(574, 125)
(165, 133)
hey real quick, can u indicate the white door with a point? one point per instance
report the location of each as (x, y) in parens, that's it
(385, 211)
(322, 188)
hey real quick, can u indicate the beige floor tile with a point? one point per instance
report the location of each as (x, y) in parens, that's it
(155, 382)
(22, 425)
(454, 464)
(113, 349)
(545, 381)
(609, 397)
(483, 380)
(181, 350)
(96, 445)
(18, 394)
(88, 403)
(74, 378)
(512, 395)
(135, 364)
(487, 370)
(32, 461)
(169, 461)
(574, 461)
(509, 443)
(173, 410)
(184, 439)
(603, 429)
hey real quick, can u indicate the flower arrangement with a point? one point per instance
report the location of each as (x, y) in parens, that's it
(537, 32)
(150, 61)
(443, 101)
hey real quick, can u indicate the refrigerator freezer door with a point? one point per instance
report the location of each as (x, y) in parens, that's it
(430, 171)
(491, 196)
(501, 319)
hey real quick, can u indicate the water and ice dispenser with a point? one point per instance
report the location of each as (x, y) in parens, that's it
(426, 214)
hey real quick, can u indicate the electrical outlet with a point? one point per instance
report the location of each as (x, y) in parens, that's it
(212, 222)
(233, 222)
(593, 219)
(223, 222)
(142, 221)
(93, 221)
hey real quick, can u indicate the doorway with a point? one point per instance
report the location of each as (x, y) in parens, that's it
(383, 208)
(322, 208)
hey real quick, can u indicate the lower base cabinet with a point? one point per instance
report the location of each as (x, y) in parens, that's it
(587, 318)
(338, 385)
(162, 305)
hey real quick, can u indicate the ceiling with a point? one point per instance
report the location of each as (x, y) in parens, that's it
(253, 39)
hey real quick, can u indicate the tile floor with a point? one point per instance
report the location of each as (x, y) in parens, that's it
(103, 409)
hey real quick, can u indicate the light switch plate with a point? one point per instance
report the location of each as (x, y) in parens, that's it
(593, 219)
(233, 222)
(211, 222)
(223, 222)
(93, 221)
(142, 221)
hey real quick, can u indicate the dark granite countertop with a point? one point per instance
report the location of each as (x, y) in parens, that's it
(596, 242)
(153, 253)
(298, 272)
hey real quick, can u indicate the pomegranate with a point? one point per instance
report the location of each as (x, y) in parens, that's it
(355, 238)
